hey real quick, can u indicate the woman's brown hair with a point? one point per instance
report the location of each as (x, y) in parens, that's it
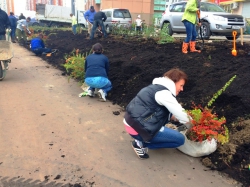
(175, 75)
(97, 48)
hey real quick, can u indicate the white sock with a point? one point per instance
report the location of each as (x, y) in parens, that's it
(139, 143)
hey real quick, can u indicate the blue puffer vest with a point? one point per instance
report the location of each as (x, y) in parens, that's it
(144, 114)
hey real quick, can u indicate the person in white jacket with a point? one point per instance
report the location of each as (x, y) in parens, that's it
(138, 23)
(151, 109)
(22, 30)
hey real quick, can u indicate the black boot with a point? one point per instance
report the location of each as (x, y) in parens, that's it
(13, 40)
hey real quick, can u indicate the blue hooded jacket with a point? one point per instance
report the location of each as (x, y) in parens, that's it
(37, 43)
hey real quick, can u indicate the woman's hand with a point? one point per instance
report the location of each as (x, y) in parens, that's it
(173, 118)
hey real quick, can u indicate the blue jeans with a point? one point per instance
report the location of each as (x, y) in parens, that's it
(74, 29)
(100, 83)
(190, 30)
(13, 32)
(166, 138)
(39, 51)
(95, 25)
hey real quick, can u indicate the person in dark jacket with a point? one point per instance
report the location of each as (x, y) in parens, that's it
(37, 45)
(99, 18)
(13, 24)
(4, 24)
(96, 72)
(22, 16)
(151, 109)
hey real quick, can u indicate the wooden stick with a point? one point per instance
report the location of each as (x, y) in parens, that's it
(241, 35)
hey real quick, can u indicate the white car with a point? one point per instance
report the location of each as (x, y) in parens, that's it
(117, 16)
(214, 20)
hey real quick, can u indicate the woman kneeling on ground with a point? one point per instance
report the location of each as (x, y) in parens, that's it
(151, 109)
(96, 72)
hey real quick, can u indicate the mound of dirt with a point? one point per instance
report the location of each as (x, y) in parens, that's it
(134, 62)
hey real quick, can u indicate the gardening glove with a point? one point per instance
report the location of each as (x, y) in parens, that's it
(83, 94)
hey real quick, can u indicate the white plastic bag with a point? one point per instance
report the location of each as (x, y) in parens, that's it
(197, 149)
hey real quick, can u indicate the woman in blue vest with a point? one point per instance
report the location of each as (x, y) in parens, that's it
(151, 109)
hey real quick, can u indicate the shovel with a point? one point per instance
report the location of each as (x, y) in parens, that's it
(234, 52)
(199, 17)
(241, 36)
(98, 29)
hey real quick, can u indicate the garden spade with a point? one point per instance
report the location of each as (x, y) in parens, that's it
(99, 30)
(234, 52)
(241, 36)
(199, 17)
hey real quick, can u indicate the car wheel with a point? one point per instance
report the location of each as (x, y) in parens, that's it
(205, 31)
(54, 25)
(168, 28)
(45, 24)
(107, 29)
(35, 24)
(231, 37)
(82, 25)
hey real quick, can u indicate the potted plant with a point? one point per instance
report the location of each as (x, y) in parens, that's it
(207, 128)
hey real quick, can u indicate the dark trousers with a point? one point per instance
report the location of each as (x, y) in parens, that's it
(39, 51)
(138, 28)
(95, 25)
(13, 32)
(21, 35)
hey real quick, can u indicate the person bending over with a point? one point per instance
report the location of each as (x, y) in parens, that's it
(151, 109)
(96, 72)
(99, 18)
(22, 30)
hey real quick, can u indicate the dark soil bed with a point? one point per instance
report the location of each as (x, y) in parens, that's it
(134, 62)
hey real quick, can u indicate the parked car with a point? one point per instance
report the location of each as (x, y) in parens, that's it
(33, 22)
(121, 17)
(214, 20)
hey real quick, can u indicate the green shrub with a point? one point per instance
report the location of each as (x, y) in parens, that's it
(74, 65)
